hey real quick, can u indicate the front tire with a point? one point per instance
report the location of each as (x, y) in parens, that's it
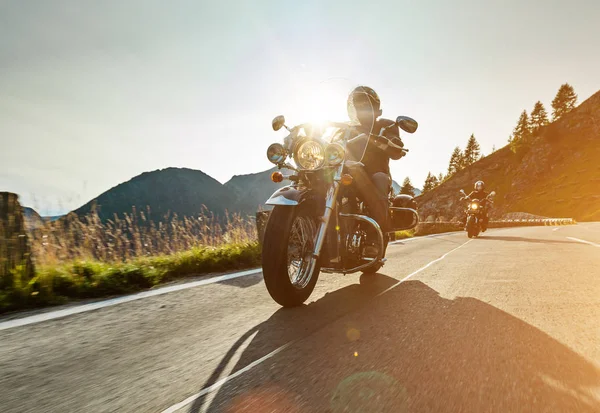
(471, 227)
(288, 243)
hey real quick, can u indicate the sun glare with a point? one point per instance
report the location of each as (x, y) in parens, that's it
(321, 102)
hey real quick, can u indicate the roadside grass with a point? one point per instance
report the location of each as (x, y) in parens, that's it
(82, 257)
(404, 234)
(81, 279)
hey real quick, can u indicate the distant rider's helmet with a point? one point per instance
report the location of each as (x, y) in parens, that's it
(363, 104)
(479, 186)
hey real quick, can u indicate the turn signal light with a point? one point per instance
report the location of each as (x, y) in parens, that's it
(277, 177)
(346, 180)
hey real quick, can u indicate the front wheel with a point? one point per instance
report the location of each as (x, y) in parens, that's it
(289, 271)
(471, 227)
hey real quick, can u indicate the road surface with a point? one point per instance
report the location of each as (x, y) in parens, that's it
(509, 322)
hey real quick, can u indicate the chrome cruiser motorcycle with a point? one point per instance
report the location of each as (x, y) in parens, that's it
(318, 223)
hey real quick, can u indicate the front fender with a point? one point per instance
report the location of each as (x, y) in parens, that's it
(289, 195)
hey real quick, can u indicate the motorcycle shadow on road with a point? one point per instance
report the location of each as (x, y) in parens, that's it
(411, 351)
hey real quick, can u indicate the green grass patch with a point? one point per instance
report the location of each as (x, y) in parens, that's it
(81, 279)
(405, 234)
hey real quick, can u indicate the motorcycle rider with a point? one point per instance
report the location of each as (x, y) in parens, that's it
(480, 193)
(373, 180)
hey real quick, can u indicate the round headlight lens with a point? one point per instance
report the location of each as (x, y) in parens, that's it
(334, 154)
(310, 155)
(276, 153)
(474, 206)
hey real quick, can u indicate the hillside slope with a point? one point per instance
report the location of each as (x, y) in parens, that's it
(252, 190)
(176, 190)
(558, 177)
(32, 219)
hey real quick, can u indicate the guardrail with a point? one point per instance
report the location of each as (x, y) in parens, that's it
(427, 228)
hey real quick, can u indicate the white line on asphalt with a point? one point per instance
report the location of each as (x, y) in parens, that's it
(400, 241)
(423, 268)
(52, 315)
(221, 382)
(584, 241)
(556, 229)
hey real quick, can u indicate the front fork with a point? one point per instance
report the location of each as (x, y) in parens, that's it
(330, 201)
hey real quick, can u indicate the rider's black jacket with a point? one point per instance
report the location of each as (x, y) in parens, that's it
(377, 157)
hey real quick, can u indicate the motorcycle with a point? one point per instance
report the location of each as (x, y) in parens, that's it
(318, 223)
(476, 210)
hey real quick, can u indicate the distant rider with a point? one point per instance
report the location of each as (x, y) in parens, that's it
(480, 193)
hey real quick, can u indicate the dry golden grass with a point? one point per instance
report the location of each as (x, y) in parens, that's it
(133, 236)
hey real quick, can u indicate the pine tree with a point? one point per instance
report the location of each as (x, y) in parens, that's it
(472, 152)
(456, 162)
(564, 101)
(493, 148)
(407, 187)
(430, 182)
(521, 131)
(539, 117)
(440, 179)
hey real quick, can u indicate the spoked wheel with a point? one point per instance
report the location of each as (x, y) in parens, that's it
(289, 270)
(299, 252)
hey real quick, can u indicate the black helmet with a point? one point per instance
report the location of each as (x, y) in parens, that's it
(362, 97)
(479, 186)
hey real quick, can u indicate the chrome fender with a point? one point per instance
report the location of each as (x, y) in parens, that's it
(288, 195)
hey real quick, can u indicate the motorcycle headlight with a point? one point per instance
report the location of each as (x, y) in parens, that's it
(276, 153)
(474, 206)
(334, 154)
(310, 155)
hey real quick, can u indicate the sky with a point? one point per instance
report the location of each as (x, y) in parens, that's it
(93, 93)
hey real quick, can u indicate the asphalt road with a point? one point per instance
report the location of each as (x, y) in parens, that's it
(509, 322)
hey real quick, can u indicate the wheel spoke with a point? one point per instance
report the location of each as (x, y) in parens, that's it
(300, 247)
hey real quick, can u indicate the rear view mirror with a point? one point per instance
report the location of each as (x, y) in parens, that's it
(462, 191)
(407, 124)
(493, 193)
(278, 122)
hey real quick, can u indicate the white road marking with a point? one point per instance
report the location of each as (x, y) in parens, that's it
(556, 229)
(52, 315)
(423, 268)
(584, 241)
(400, 241)
(224, 380)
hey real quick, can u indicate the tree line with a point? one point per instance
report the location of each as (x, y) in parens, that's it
(528, 127)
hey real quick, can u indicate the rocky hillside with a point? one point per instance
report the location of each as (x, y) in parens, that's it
(558, 176)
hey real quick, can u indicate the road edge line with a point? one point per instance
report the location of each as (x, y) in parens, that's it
(53, 315)
(584, 242)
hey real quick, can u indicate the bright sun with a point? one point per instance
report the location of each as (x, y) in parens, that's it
(323, 101)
